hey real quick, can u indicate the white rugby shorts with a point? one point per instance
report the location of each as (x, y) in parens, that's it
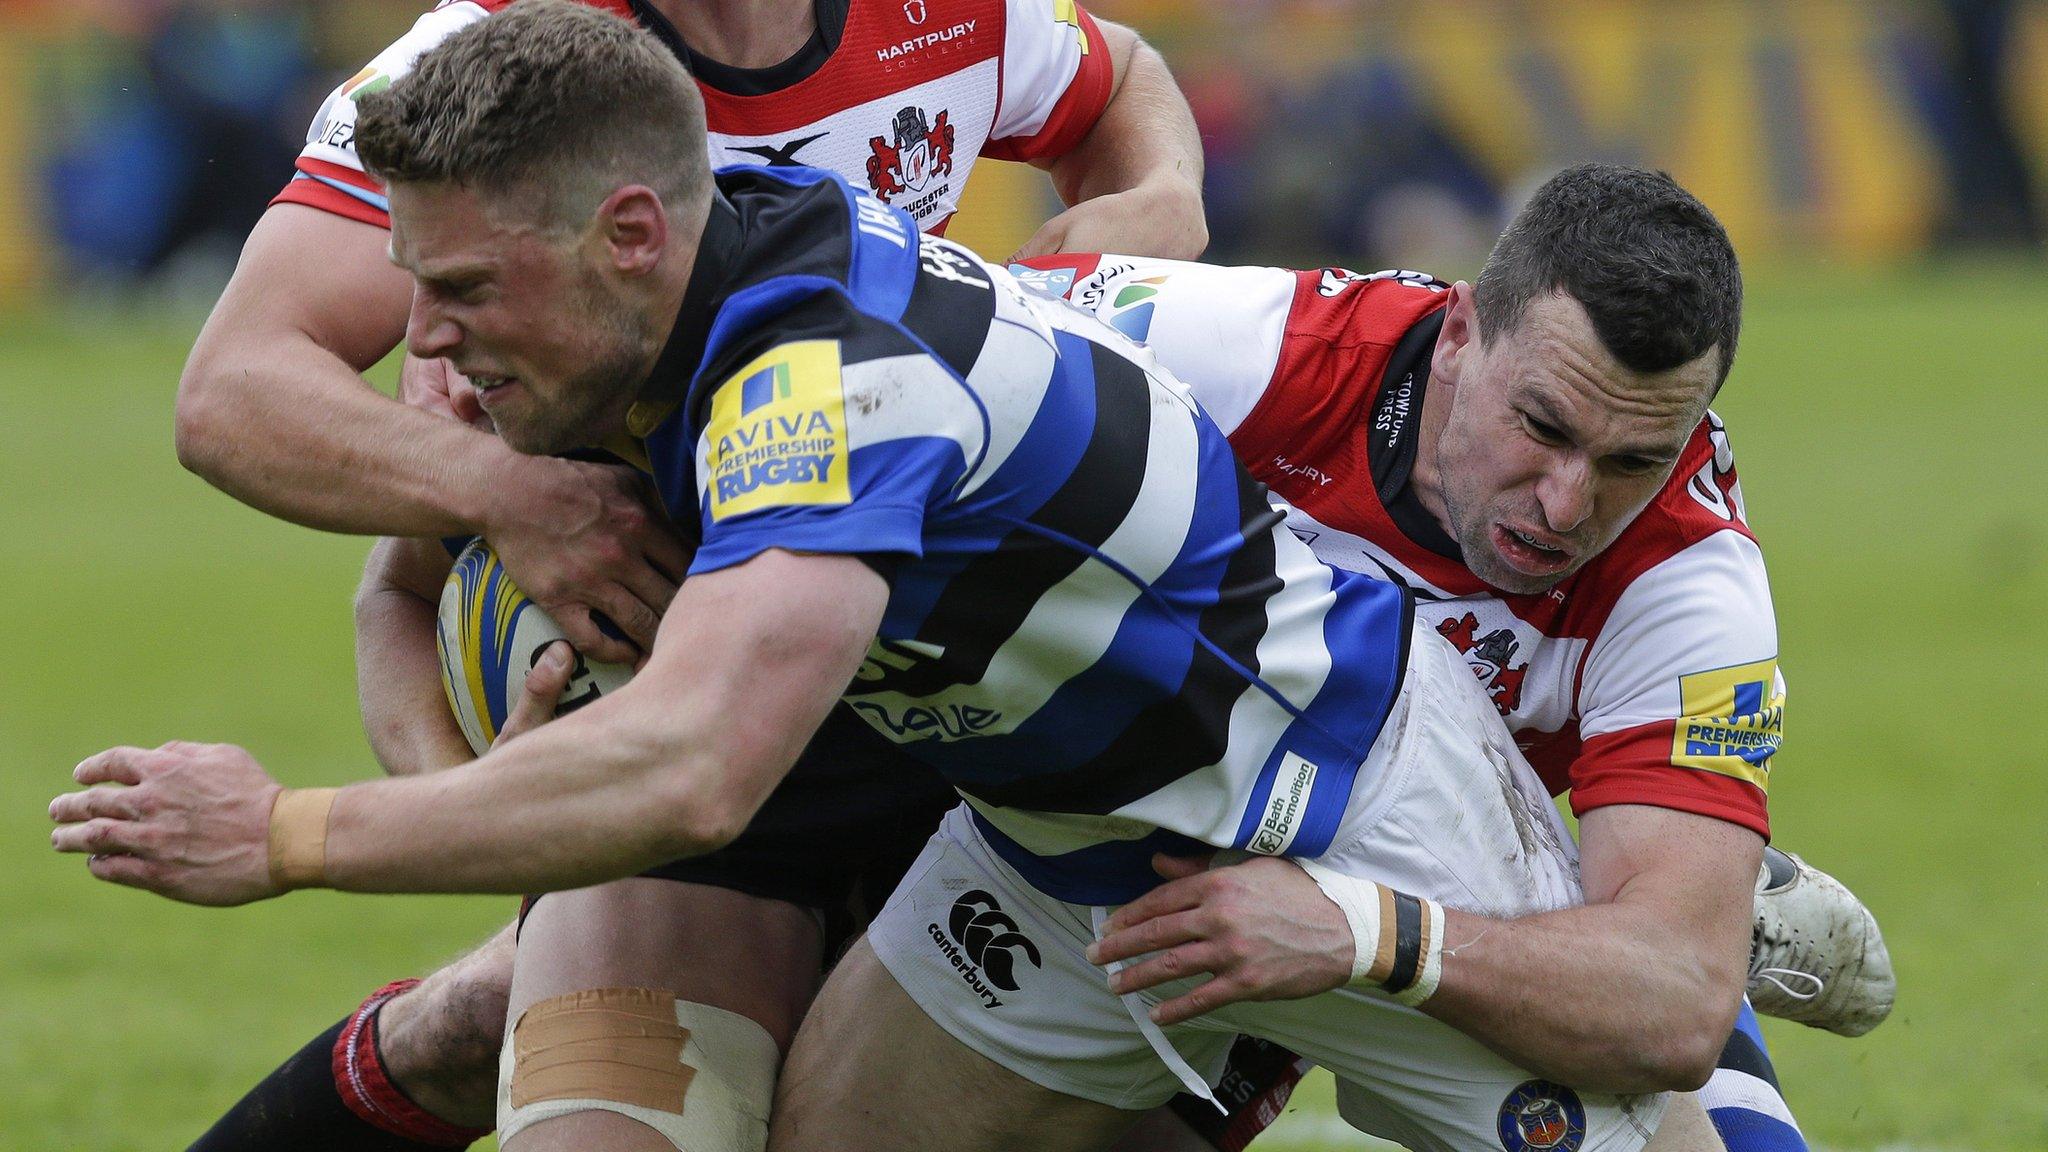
(1446, 808)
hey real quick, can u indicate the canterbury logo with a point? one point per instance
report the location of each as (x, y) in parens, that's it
(989, 945)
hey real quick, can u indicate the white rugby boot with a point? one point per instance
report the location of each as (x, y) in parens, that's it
(1816, 955)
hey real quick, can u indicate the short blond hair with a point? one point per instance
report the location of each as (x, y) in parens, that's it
(554, 101)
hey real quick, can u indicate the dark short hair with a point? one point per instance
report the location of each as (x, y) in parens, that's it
(1652, 267)
(549, 97)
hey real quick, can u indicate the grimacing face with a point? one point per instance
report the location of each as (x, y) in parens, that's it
(1551, 446)
(554, 352)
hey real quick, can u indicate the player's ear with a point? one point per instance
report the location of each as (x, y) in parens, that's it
(633, 224)
(1458, 343)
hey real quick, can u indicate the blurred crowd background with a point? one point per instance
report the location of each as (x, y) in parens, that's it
(139, 139)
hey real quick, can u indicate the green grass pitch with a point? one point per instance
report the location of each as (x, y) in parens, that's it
(1890, 430)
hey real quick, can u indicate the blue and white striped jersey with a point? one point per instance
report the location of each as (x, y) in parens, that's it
(1098, 629)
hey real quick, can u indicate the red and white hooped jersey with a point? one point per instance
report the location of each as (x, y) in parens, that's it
(904, 102)
(1647, 677)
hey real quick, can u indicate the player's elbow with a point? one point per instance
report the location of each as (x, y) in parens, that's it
(713, 823)
(210, 426)
(1661, 1057)
(699, 812)
(1680, 1050)
(199, 428)
(1683, 1059)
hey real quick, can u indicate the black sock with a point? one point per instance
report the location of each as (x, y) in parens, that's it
(298, 1109)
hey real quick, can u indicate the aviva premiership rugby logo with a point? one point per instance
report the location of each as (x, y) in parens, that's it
(1731, 721)
(777, 435)
(1539, 1116)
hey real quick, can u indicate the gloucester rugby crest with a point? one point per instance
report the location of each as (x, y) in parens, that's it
(1491, 658)
(918, 151)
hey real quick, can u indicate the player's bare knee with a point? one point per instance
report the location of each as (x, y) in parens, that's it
(475, 1014)
(701, 1077)
(451, 1026)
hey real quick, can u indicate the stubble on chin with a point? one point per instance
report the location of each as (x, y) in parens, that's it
(525, 438)
(1482, 561)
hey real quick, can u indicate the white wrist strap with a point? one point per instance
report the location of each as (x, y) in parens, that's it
(1397, 939)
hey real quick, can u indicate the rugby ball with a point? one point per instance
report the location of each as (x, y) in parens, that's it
(490, 635)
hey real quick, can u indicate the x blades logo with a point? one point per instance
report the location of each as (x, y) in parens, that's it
(781, 155)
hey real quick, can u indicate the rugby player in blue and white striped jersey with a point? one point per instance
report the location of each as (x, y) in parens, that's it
(1000, 533)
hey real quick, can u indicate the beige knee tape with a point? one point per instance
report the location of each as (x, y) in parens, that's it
(701, 1076)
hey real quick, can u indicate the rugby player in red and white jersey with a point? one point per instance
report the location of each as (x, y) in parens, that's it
(1604, 586)
(902, 96)
(898, 96)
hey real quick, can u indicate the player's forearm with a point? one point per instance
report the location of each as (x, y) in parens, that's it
(1608, 997)
(272, 409)
(673, 764)
(588, 798)
(398, 670)
(1145, 138)
(285, 426)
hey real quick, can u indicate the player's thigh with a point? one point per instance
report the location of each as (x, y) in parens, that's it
(1409, 1078)
(689, 944)
(1406, 1077)
(709, 945)
(1686, 1128)
(870, 1072)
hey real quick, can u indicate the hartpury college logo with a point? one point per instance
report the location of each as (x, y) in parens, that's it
(921, 151)
(1490, 658)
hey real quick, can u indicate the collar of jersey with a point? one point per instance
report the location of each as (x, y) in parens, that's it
(1393, 469)
(828, 16)
(670, 381)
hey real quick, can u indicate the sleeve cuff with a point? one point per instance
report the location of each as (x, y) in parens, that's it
(327, 200)
(878, 535)
(1074, 116)
(341, 191)
(1634, 766)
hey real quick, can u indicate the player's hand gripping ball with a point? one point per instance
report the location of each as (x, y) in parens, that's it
(490, 635)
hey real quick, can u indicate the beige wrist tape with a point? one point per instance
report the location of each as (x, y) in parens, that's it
(298, 837)
(1398, 939)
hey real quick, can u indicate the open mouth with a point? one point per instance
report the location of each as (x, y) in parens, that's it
(1528, 554)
